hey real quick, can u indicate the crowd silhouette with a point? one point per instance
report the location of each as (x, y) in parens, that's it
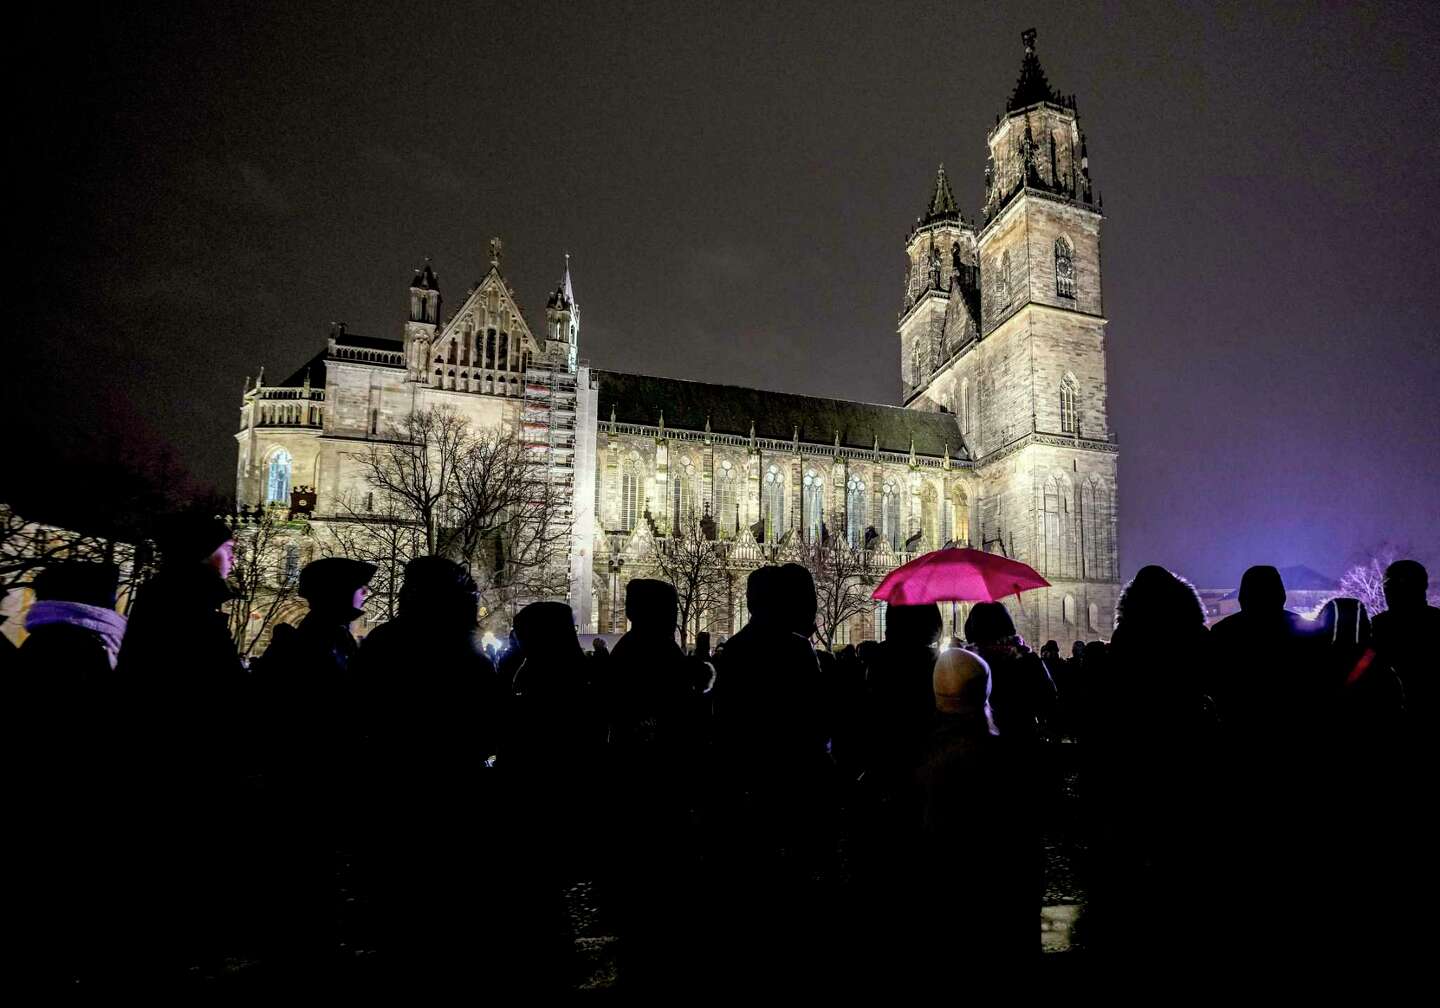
(410, 809)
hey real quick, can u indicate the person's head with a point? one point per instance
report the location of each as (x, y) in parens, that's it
(1050, 649)
(764, 595)
(439, 592)
(702, 644)
(797, 587)
(336, 586)
(1406, 582)
(199, 539)
(913, 625)
(1261, 590)
(988, 623)
(86, 582)
(1344, 621)
(1160, 605)
(546, 632)
(1077, 650)
(600, 648)
(962, 683)
(651, 606)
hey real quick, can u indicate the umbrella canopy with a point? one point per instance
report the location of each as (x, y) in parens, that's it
(957, 575)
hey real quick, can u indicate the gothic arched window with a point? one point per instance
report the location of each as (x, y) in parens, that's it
(726, 498)
(629, 495)
(890, 515)
(957, 517)
(490, 348)
(855, 511)
(929, 524)
(774, 501)
(1001, 286)
(277, 478)
(1064, 267)
(964, 404)
(683, 496)
(915, 376)
(812, 512)
(1069, 418)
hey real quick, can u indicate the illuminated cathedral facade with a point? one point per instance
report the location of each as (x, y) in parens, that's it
(999, 438)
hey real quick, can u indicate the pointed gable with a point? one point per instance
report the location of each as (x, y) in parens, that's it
(490, 305)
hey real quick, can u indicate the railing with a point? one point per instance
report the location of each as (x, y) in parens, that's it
(289, 407)
(389, 358)
(774, 446)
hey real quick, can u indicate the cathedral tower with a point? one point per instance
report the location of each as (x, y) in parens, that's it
(940, 307)
(424, 320)
(1030, 389)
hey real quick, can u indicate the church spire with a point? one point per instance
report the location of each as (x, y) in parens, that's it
(942, 202)
(1031, 87)
(563, 317)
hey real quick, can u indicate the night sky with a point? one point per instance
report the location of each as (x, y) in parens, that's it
(204, 188)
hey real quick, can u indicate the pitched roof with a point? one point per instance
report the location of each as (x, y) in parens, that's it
(370, 342)
(730, 409)
(314, 367)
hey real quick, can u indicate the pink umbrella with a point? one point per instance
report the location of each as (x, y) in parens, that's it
(957, 575)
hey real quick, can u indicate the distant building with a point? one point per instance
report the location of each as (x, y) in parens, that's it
(1000, 438)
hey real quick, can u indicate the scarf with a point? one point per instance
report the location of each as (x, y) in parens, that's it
(106, 624)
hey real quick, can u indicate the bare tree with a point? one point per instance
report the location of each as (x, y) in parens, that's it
(416, 471)
(28, 547)
(1366, 580)
(479, 496)
(844, 577)
(697, 566)
(265, 576)
(377, 531)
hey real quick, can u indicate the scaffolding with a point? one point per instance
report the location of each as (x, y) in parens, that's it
(548, 423)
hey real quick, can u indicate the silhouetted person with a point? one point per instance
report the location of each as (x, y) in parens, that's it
(653, 738)
(310, 707)
(70, 736)
(432, 709)
(1021, 693)
(1262, 685)
(549, 759)
(900, 698)
(1407, 638)
(899, 711)
(194, 741)
(974, 881)
(600, 651)
(770, 740)
(1148, 780)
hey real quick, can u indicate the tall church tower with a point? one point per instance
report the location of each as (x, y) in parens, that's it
(941, 304)
(562, 323)
(1030, 387)
(424, 321)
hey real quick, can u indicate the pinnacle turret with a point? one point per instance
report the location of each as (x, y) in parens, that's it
(942, 203)
(425, 278)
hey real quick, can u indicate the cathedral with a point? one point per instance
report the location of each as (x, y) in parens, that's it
(1000, 439)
